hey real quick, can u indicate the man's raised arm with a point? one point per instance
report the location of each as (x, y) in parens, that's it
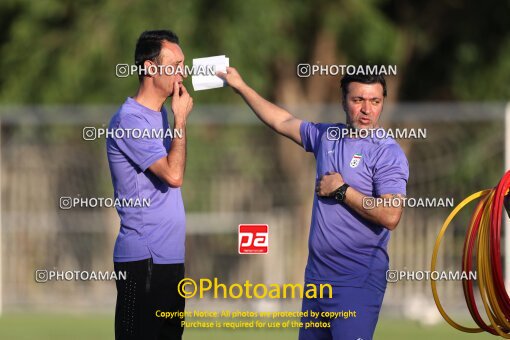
(170, 169)
(273, 116)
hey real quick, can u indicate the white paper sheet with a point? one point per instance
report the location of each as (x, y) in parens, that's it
(206, 81)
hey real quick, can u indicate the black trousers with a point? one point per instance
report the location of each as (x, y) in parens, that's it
(148, 288)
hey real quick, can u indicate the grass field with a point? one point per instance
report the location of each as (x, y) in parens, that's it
(77, 327)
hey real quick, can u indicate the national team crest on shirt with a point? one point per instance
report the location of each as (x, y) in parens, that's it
(356, 159)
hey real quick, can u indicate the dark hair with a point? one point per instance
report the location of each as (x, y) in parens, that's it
(148, 46)
(365, 79)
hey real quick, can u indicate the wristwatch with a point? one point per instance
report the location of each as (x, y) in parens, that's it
(340, 193)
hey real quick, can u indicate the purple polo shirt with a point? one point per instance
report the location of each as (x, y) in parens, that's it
(344, 248)
(156, 230)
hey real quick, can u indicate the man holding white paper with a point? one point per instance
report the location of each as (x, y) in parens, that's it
(348, 240)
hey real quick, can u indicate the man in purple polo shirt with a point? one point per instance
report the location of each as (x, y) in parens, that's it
(147, 164)
(348, 239)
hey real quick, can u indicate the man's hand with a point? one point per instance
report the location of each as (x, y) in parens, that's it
(385, 216)
(233, 78)
(182, 103)
(328, 183)
(170, 169)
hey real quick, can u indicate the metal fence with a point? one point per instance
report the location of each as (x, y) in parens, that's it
(238, 171)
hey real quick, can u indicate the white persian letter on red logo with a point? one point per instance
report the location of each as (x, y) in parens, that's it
(253, 239)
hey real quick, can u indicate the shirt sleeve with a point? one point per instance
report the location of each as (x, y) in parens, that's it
(309, 136)
(143, 151)
(391, 171)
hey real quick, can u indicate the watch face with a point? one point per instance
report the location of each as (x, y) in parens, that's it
(340, 193)
(339, 196)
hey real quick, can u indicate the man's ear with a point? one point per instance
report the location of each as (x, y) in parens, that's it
(149, 68)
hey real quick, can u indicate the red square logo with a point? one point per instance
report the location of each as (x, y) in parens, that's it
(253, 239)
